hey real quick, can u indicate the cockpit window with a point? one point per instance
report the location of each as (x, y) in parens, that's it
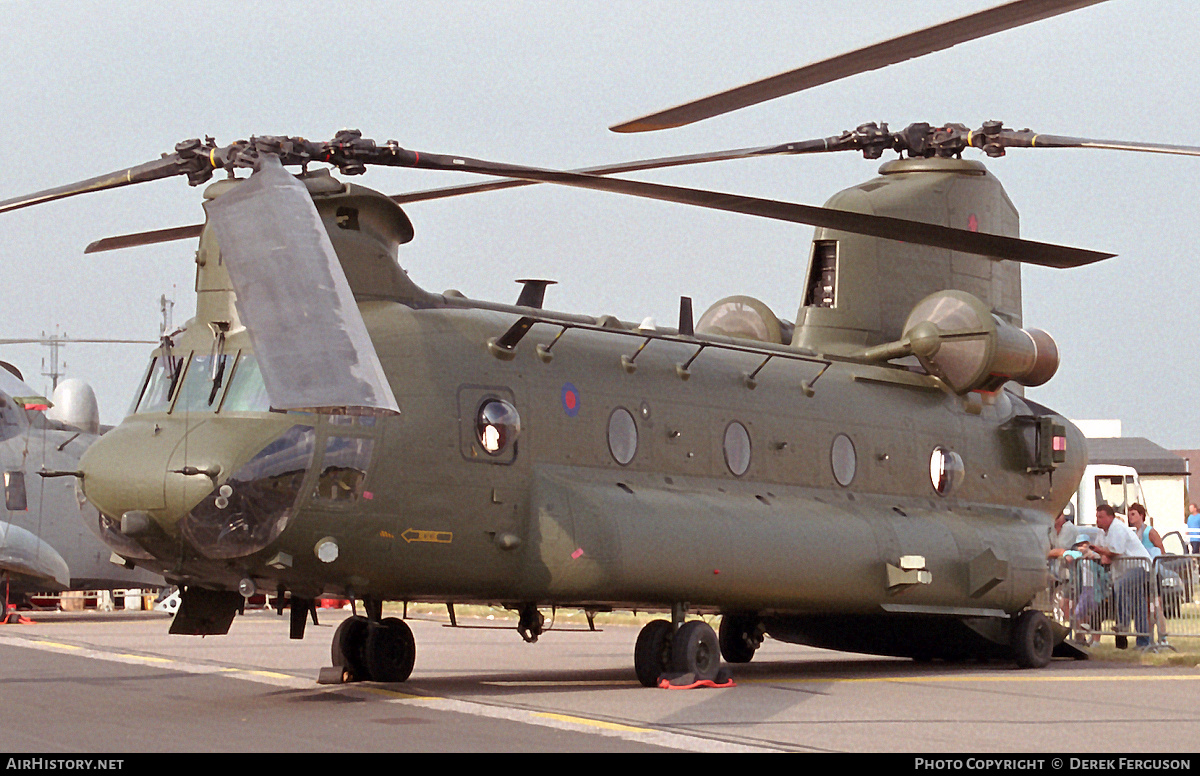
(344, 468)
(202, 384)
(246, 392)
(256, 503)
(137, 397)
(160, 388)
(14, 491)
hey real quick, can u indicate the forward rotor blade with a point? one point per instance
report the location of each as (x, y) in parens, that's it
(165, 167)
(1006, 138)
(1028, 139)
(310, 340)
(915, 44)
(185, 232)
(806, 146)
(917, 232)
(144, 238)
(994, 246)
(69, 340)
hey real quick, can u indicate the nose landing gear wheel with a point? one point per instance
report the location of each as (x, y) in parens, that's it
(350, 647)
(696, 650)
(652, 654)
(391, 650)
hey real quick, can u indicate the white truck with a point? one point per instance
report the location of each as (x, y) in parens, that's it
(1105, 483)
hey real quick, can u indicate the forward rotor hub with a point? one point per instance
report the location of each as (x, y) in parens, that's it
(925, 140)
(349, 151)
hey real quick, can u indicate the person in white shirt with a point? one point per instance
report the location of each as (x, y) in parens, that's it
(1130, 563)
(1062, 536)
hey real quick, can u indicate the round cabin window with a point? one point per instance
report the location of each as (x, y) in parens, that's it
(622, 436)
(737, 448)
(946, 470)
(843, 459)
(497, 426)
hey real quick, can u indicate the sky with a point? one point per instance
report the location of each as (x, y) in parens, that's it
(91, 87)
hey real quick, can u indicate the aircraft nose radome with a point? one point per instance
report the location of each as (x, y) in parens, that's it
(124, 469)
(226, 486)
(131, 469)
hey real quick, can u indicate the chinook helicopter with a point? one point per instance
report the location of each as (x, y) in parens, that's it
(868, 477)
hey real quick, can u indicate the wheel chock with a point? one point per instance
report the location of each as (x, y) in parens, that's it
(333, 675)
(689, 681)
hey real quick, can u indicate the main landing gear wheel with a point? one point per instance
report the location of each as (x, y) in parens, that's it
(652, 654)
(349, 650)
(391, 650)
(739, 638)
(1032, 640)
(696, 650)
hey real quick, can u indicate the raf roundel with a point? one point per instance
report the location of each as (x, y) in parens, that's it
(570, 400)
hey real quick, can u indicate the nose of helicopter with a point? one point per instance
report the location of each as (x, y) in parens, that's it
(226, 486)
(126, 470)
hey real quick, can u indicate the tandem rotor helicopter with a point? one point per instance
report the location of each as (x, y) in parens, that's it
(868, 477)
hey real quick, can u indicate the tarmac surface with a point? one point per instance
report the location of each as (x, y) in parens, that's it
(118, 682)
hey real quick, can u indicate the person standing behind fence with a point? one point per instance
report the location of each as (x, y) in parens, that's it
(1145, 534)
(1193, 524)
(1130, 562)
(1153, 543)
(1062, 535)
(1085, 575)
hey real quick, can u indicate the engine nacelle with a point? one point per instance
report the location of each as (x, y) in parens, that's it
(745, 317)
(75, 405)
(956, 337)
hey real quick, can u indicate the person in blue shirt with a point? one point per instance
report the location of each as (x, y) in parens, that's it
(1142, 530)
(1193, 523)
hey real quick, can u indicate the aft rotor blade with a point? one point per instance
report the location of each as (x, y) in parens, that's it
(917, 232)
(915, 44)
(310, 340)
(165, 167)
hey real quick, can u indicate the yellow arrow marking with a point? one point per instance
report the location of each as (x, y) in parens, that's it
(438, 537)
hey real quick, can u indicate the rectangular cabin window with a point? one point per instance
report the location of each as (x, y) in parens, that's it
(347, 218)
(14, 492)
(822, 275)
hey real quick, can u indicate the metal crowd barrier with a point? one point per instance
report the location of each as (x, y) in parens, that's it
(1146, 602)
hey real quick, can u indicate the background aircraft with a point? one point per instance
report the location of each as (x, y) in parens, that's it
(46, 544)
